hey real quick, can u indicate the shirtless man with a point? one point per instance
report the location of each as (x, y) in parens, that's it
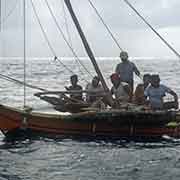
(139, 97)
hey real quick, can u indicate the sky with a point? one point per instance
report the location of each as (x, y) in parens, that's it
(129, 30)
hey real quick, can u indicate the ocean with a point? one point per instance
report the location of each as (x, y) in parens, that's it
(75, 159)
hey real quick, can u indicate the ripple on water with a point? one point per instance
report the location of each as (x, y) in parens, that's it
(58, 159)
(45, 158)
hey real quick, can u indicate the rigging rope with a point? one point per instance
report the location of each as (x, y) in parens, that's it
(70, 41)
(153, 29)
(2, 76)
(106, 26)
(4, 19)
(64, 37)
(47, 40)
(66, 23)
(69, 37)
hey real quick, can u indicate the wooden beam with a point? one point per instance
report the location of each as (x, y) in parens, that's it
(71, 92)
(86, 45)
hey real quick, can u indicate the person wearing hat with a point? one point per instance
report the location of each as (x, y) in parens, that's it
(94, 90)
(75, 87)
(126, 69)
(156, 92)
(120, 90)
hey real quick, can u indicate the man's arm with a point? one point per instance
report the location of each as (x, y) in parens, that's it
(111, 91)
(117, 69)
(137, 72)
(175, 98)
(146, 92)
(67, 88)
(80, 87)
(174, 95)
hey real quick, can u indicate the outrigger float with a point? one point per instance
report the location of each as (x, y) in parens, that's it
(113, 123)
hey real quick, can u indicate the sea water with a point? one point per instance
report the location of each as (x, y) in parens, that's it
(45, 159)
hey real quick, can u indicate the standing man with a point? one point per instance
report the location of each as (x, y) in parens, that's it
(126, 69)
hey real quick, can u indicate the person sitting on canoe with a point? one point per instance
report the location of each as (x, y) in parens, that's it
(94, 90)
(75, 87)
(156, 91)
(120, 90)
(139, 97)
(126, 70)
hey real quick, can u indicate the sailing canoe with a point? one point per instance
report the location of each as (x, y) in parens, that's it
(109, 123)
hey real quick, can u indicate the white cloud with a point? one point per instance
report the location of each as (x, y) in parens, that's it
(131, 32)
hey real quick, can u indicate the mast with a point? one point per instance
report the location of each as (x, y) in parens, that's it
(0, 15)
(24, 48)
(86, 45)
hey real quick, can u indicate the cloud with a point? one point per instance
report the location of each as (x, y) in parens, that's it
(161, 13)
(127, 27)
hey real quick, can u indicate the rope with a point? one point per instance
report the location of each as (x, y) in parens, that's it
(150, 26)
(42, 29)
(69, 37)
(106, 26)
(7, 78)
(3, 20)
(47, 40)
(60, 30)
(66, 24)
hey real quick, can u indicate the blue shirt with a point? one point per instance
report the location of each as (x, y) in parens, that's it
(126, 70)
(156, 95)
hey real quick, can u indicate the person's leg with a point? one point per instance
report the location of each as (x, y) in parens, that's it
(131, 85)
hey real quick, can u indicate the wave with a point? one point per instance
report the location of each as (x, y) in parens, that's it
(86, 58)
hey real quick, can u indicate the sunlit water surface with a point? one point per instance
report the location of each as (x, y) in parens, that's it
(44, 158)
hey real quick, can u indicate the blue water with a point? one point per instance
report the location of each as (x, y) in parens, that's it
(69, 159)
(44, 158)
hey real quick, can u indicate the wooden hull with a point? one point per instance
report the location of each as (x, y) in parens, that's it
(94, 124)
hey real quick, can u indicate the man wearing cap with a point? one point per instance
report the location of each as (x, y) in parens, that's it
(156, 92)
(126, 69)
